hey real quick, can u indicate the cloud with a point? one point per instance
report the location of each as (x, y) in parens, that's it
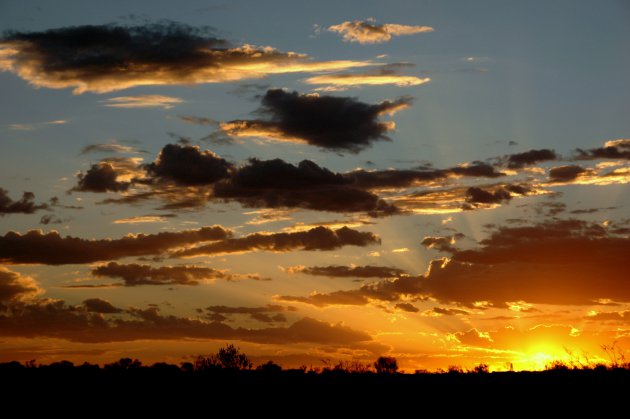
(107, 58)
(610, 316)
(55, 318)
(261, 314)
(144, 219)
(278, 184)
(143, 101)
(188, 166)
(442, 243)
(448, 311)
(110, 147)
(368, 32)
(97, 305)
(329, 122)
(476, 195)
(558, 262)
(319, 238)
(52, 249)
(337, 271)
(563, 262)
(100, 177)
(26, 205)
(16, 287)
(409, 308)
(380, 78)
(528, 158)
(135, 274)
(565, 173)
(614, 149)
(393, 178)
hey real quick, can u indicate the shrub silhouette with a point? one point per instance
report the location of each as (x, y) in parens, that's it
(230, 357)
(386, 365)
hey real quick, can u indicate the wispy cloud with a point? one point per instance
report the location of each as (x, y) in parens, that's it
(369, 32)
(143, 101)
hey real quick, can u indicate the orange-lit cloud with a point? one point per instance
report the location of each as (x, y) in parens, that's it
(368, 32)
(17, 287)
(143, 101)
(354, 80)
(37, 247)
(107, 58)
(318, 238)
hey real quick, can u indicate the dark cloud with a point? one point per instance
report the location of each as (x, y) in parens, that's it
(14, 286)
(528, 158)
(271, 313)
(442, 243)
(615, 149)
(101, 177)
(106, 58)
(560, 262)
(333, 271)
(26, 205)
(54, 318)
(448, 311)
(110, 147)
(278, 184)
(404, 178)
(410, 308)
(50, 219)
(52, 249)
(188, 165)
(565, 173)
(612, 316)
(135, 274)
(330, 122)
(476, 195)
(97, 305)
(319, 238)
(269, 308)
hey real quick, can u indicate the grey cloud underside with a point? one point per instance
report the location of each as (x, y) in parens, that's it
(25, 205)
(329, 122)
(559, 262)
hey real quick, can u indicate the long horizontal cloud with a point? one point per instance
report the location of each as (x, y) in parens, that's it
(142, 101)
(330, 122)
(25, 205)
(277, 184)
(136, 274)
(271, 313)
(52, 249)
(334, 271)
(106, 58)
(368, 32)
(560, 262)
(377, 78)
(528, 158)
(318, 238)
(614, 149)
(186, 176)
(90, 323)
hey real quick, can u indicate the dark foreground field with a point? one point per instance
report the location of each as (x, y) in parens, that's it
(164, 384)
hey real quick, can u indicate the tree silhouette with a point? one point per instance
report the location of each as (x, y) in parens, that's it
(386, 365)
(230, 357)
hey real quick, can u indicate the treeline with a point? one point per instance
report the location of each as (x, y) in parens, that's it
(230, 359)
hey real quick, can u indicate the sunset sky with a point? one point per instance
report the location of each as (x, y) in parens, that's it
(445, 182)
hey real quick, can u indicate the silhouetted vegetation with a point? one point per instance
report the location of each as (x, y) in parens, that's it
(229, 372)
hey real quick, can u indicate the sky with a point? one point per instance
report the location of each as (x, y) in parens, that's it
(445, 182)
